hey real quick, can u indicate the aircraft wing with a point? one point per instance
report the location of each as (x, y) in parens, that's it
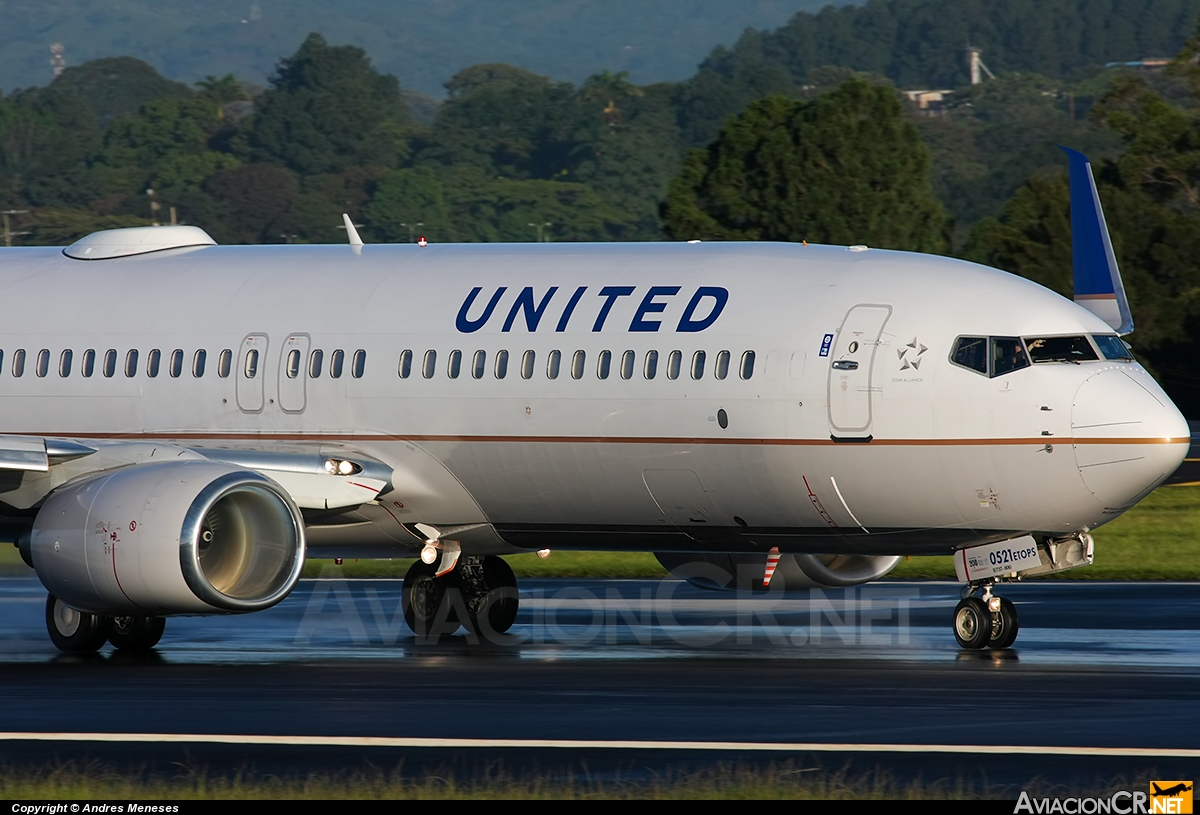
(314, 479)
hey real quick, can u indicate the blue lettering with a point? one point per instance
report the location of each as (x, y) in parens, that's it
(648, 306)
(570, 309)
(612, 293)
(467, 325)
(720, 297)
(533, 315)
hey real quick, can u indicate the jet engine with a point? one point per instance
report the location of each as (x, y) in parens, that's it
(185, 537)
(744, 572)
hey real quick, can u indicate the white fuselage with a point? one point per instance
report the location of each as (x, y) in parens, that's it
(906, 453)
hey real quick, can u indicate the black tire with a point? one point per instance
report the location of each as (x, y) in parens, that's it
(136, 633)
(1005, 625)
(972, 623)
(426, 605)
(74, 631)
(497, 611)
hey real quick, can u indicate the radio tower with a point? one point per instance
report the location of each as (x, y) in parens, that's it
(57, 63)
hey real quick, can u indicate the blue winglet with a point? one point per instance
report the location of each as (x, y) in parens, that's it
(1098, 286)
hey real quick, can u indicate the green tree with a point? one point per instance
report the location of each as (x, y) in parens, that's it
(507, 122)
(328, 109)
(844, 168)
(116, 86)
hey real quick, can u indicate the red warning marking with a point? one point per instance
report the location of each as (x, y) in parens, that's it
(816, 502)
(364, 486)
(132, 526)
(772, 562)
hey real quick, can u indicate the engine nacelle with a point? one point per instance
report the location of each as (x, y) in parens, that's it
(186, 537)
(744, 572)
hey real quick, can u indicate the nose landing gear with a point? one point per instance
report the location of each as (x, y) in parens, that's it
(985, 621)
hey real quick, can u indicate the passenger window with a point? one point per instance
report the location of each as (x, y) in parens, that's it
(19, 362)
(404, 369)
(1007, 355)
(698, 365)
(478, 364)
(747, 369)
(131, 361)
(1060, 349)
(722, 367)
(251, 368)
(316, 363)
(501, 364)
(455, 365)
(604, 365)
(1112, 347)
(577, 363)
(43, 362)
(87, 366)
(650, 369)
(153, 360)
(427, 369)
(628, 360)
(553, 364)
(336, 360)
(1, 360)
(176, 367)
(64, 363)
(201, 356)
(527, 363)
(971, 352)
(674, 364)
(358, 366)
(292, 368)
(110, 362)
(224, 362)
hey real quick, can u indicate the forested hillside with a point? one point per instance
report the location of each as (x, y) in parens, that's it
(424, 42)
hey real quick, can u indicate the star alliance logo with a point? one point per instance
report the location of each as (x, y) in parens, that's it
(911, 360)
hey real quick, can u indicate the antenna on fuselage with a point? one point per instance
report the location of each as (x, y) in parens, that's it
(351, 232)
(1098, 286)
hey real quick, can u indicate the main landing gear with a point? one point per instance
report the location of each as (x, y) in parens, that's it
(479, 593)
(985, 621)
(80, 632)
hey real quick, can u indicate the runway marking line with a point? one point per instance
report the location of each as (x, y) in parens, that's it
(602, 744)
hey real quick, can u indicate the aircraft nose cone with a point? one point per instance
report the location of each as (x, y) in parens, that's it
(1128, 435)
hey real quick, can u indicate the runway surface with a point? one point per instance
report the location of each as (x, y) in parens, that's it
(633, 676)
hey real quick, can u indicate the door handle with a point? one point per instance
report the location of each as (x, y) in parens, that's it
(845, 365)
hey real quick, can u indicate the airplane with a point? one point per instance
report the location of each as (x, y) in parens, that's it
(1172, 791)
(184, 423)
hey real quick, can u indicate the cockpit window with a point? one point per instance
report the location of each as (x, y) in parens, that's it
(1112, 347)
(1007, 355)
(971, 352)
(1060, 349)
(990, 356)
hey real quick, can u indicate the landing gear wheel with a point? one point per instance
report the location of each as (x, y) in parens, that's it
(136, 633)
(1005, 625)
(426, 605)
(972, 623)
(74, 631)
(494, 610)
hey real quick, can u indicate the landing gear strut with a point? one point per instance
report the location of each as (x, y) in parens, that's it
(985, 621)
(479, 593)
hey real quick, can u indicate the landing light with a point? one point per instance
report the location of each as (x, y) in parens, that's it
(543, 553)
(338, 466)
(429, 554)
